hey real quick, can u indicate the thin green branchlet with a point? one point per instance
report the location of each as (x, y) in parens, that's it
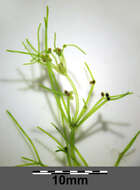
(74, 45)
(38, 38)
(46, 28)
(84, 109)
(54, 62)
(28, 140)
(121, 155)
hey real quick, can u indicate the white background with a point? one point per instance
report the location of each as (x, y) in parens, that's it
(109, 31)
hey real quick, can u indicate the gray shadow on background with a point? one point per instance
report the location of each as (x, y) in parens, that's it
(103, 125)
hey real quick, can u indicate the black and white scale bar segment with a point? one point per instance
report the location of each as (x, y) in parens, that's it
(71, 172)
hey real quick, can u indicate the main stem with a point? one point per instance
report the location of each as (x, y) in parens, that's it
(76, 97)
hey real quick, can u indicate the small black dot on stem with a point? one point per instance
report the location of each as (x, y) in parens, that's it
(92, 82)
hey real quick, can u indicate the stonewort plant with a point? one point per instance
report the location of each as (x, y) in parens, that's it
(54, 62)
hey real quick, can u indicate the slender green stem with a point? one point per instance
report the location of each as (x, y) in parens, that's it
(34, 58)
(80, 156)
(46, 28)
(27, 49)
(84, 109)
(68, 157)
(64, 104)
(31, 46)
(55, 40)
(99, 104)
(68, 109)
(30, 63)
(121, 155)
(93, 110)
(38, 38)
(68, 143)
(76, 162)
(89, 70)
(116, 97)
(32, 164)
(76, 97)
(55, 59)
(21, 52)
(28, 159)
(33, 161)
(52, 90)
(59, 102)
(73, 45)
(25, 134)
(65, 137)
(44, 131)
(72, 147)
(54, 84)
(72, 141)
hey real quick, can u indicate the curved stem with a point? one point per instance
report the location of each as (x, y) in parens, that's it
(74, 45)
(80, 156)
(55, 84)
(121, 155)
(46, 28)
(89, 94)
(76, 96)
(38, 38)
(25, 134)
(86, 102)
(55, 40)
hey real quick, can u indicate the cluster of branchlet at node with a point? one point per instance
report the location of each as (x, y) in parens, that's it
(45, 57)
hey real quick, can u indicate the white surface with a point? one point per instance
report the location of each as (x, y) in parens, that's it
(109, 31)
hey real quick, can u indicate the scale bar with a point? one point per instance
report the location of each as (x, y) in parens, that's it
(71, 172)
